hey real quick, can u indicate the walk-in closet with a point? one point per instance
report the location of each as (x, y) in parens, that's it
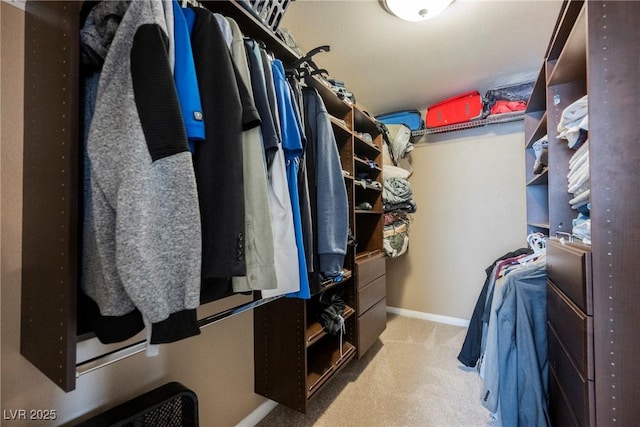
(314, 213)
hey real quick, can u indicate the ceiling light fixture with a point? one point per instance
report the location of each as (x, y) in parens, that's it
(415, 10)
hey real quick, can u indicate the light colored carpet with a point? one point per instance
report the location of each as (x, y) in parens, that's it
(410, 377)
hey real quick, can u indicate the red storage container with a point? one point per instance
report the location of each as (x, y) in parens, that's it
(457, 109)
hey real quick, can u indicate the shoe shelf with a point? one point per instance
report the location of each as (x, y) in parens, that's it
(324, 364)
(315, 331)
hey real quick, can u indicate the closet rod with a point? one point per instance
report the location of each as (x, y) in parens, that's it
(130, 350)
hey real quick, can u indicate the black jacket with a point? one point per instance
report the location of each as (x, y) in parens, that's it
(470, 352)
(228, 109)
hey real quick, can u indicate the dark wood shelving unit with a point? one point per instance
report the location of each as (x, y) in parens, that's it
(592, 289)
(294, 356)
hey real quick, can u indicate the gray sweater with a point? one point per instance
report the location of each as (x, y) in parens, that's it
(142, 234)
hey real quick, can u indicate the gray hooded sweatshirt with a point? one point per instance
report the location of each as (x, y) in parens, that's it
(142, 233)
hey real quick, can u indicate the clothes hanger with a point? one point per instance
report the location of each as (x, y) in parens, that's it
(193, 3)
(309, 55)
(537, 242)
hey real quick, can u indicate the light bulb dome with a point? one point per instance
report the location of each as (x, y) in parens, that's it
(416, 10)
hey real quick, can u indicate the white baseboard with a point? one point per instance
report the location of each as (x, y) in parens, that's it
(428, 316)
(258, 414)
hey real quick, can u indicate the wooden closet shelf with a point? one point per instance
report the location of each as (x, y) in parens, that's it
(544, 225)
(363, 144)
(332, 101)
(540, 179)
(538, 98)
(564, 25)
(340, 127)
(571, 64)
(361, 256)
(369, 212)
(253, 27)
(315, 331)
(366, 186)
(363, 164)
(322, 365)
(363, 121)
(348, 177)
(539, 132)
(330, 283)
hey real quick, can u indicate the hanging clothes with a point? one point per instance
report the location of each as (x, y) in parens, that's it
(513, 362)
(184, 74)
(271, 90)
(269, 135)
(522, 350)
(471, 347)
(218, 161)
(259, 251)
(285, 250)
(141, 234)
(295, 90)
(331, 202)
(292, 147)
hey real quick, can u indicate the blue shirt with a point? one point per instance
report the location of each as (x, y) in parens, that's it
(185, 78)
(292, 147)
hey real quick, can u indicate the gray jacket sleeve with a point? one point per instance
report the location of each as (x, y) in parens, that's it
(146, 226)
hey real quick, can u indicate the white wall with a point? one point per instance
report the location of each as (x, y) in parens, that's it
(470, 190)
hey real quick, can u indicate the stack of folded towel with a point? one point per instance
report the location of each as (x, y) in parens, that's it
(574, 123)
(574, 127)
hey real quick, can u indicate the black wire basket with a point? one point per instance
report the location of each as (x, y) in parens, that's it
(270, 12)
(171, 405)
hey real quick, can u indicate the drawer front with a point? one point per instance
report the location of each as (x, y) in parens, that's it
(578, 390)
(370, 325)
(574, 329)
(369, 269)
(371, 294)
(569, 267)
(559, 408)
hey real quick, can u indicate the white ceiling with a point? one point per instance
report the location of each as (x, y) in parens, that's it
(390, 64)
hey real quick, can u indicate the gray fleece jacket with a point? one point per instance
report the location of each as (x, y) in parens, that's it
(142, 235)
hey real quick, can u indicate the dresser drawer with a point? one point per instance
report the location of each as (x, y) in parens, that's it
(560, 409)
(569, 267)
(371, 294)
(370, 325)
(574, 329)
(369, 268)
(577, 390)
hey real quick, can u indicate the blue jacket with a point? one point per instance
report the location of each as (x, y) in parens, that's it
(332, 212)
(522, 350)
